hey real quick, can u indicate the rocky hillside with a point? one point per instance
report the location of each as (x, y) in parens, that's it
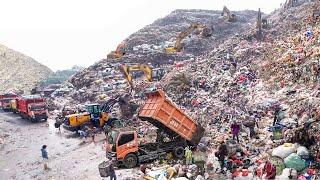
(19, 72)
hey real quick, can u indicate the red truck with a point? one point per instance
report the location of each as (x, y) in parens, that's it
(32, 107)
(5, 100)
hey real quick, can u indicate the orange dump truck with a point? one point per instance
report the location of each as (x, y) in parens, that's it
(175, 131)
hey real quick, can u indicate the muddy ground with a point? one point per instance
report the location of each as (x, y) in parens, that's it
(70, 158)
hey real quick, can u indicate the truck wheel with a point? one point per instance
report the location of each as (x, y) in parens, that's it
(130, 161)
(178, 152)
(32, 120)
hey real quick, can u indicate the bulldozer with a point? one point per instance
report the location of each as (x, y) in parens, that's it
(119, 52)
(96, 115)
(226, 12)
(151, 74)
(203, 30)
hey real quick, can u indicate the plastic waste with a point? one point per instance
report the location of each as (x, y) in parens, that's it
(294, 161)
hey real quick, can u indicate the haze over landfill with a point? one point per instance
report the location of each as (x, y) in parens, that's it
(231, 92)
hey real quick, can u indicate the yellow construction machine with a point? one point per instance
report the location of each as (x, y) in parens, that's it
(96, 116)
(151, 74)
(119, 52)
(203, 30)
(226, 12)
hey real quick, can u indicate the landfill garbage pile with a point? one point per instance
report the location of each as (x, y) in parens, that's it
(19, 72)
(103, 80)
(269, 87)
(148, 44)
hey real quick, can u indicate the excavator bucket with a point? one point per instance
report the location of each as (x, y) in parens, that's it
(170, 50)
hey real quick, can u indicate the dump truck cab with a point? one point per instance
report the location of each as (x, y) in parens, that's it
(37, 111)
(32, 107)
(5, 100)
(122, 144)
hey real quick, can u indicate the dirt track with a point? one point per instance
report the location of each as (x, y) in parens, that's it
(20, 156)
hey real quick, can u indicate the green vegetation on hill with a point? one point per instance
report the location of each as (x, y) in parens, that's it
(60, 76)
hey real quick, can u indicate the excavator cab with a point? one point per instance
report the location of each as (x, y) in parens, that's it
(226, 12)
(93, 109)
(119, 52)
(264, 23)
(95, 114)
(157, 74)
(316, 14)
(122, 144)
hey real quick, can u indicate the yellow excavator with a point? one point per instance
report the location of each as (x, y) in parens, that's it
(203, 30)
(119, 52)
(226, 12)
(151, 74)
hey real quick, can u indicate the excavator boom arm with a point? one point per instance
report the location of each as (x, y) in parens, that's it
(226, 12)
(184, 34)
(142, 67)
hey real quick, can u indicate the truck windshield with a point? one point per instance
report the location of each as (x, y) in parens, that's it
(38, 108)
(113, 137)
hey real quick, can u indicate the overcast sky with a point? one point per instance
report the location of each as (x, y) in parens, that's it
(62, 33)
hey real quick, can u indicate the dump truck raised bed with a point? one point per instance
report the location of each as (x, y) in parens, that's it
(32, 107)
(176, 130)
(5, 100)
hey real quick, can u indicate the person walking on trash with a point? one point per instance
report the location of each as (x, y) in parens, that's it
(44, 155)
(188, 154)
(221, 154)
(113, 175)
(235, 129)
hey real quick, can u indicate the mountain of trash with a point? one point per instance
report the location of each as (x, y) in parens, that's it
(148, 46)
(19, 72)
(267, 84)
(271, 83)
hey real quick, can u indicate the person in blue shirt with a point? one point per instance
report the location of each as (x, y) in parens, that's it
(45, 158)
(113, 175)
